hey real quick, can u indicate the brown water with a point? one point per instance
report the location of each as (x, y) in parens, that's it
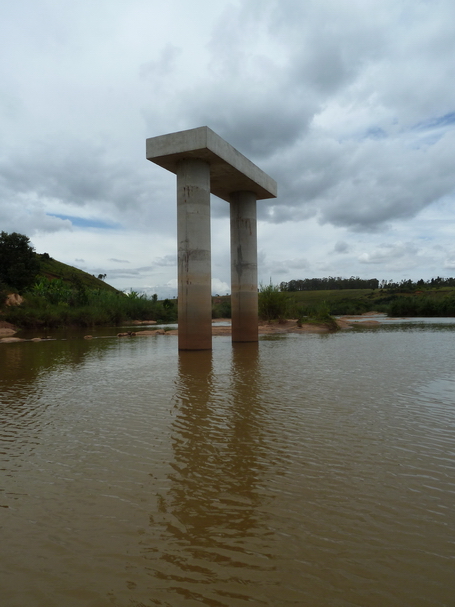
(308, 470)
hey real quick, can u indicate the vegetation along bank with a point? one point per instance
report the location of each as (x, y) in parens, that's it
(53, 294)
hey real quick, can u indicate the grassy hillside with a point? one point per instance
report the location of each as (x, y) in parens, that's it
(64, 296)
(346, 301)
(429, 302)
(53, 269)
(298, 304)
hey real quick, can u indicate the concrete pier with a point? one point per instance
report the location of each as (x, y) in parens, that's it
(204, 163)
(244, 275)
(194, 257)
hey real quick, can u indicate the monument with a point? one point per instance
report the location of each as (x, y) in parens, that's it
(204, 163)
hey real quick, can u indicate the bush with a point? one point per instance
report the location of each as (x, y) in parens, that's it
(349, 307)
(55, 303)
(273, 304)
(222, 309)
(422, 306)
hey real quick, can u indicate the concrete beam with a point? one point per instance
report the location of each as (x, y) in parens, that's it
(230, 171)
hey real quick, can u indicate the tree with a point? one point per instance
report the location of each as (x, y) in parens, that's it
(19, 264)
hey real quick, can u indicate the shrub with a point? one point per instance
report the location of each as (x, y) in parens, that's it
(273, 304)
(319, 314)
(422, 306)
(54, 303)
(222, 309)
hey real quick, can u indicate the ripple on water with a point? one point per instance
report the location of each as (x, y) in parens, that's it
(308, 470)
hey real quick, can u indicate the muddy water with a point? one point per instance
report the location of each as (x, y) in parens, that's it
(308, 470)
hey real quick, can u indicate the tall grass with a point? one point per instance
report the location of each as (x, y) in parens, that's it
(54, 304)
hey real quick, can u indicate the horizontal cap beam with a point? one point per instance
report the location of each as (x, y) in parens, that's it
(230, 171)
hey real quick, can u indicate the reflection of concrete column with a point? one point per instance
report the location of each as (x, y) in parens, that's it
(244, 280)
(194, 260)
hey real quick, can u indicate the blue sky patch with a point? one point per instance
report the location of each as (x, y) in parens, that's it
(83, 222)
(376, 132)
(436, 123)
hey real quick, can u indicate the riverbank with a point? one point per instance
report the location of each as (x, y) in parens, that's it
(7, 329)
(222, 326)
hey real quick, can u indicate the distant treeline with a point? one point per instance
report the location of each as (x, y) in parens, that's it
(409, 285)
(333, 283)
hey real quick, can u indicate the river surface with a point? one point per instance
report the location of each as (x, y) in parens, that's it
(306, 470)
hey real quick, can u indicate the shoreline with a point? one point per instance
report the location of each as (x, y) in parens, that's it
(8, 331)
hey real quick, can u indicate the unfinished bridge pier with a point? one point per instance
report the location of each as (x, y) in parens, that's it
(206, 164)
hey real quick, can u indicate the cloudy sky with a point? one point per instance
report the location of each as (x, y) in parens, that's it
(348, 104)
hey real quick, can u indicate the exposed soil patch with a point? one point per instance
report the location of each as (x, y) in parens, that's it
(6, 328)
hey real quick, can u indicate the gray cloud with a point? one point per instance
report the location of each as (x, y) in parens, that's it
(162, 66)
(349, 106)
(281, 268)
(168, 260)
(363, 184)
(77, 172)
(28, 217)
(361, 178)
(397, 256)
(341, 247)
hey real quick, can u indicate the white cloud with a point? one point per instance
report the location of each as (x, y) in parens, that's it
(349, 106)
(220, 287)
(450, 261)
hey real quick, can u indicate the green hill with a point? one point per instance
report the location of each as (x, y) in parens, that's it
(53, 269)
(426, 302)
(63, 296)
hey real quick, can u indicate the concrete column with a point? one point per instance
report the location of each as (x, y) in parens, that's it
(244, 273)
(204, 163)
(194, 258)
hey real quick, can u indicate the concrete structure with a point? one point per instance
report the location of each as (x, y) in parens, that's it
(204, 163)
(244, 267)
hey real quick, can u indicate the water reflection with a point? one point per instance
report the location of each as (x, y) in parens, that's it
(28, 371)
(22, 363)
(313, 471)
(213, 502)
